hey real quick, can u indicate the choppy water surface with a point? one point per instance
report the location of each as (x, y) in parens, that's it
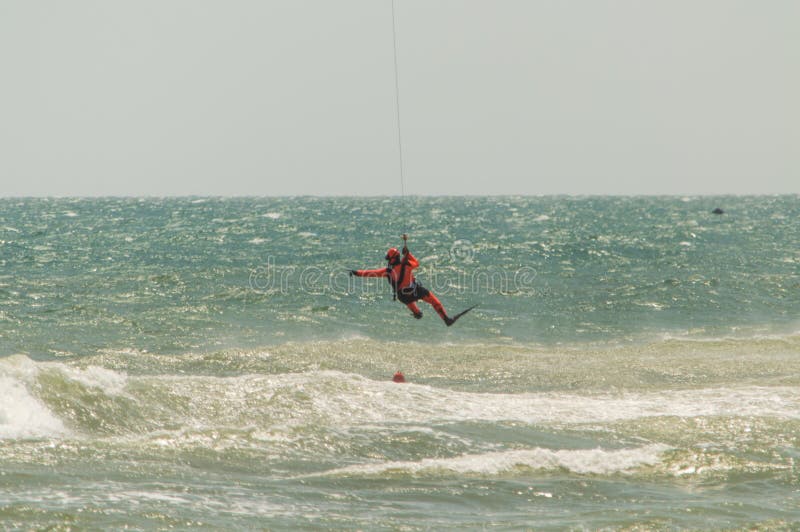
(207, 363)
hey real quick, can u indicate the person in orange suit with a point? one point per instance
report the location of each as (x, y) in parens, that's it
(407, 289)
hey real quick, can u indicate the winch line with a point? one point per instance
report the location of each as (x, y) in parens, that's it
(397, 104)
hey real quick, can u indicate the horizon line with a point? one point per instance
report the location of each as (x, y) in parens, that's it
(392, 196)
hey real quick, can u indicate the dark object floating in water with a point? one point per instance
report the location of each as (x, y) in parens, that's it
(718, 211)
(399, 377)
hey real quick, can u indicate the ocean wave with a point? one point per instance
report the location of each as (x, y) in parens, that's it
(581, 461)
(22, 414)
(96, 400)
(696, 462)
(514, 367)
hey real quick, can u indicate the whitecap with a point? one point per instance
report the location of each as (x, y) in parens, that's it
(580, 461)
(109, 381)
(22, 415)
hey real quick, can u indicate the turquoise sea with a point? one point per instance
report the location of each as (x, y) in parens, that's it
(207, 363)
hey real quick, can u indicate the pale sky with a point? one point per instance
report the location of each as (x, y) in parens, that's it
(267, 97)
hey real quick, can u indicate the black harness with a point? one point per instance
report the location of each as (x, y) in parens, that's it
(396, 284)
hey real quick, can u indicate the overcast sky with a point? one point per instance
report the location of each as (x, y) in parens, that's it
(267, 97)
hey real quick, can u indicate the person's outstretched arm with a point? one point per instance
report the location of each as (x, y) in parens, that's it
(379, 272)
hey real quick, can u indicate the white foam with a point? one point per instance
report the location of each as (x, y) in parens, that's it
(109, 381)
(23, 369)
(581, 461)
(272, 215)
(364, 401)
(22, 415)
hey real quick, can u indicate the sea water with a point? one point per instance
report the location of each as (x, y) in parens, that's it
(208, 363)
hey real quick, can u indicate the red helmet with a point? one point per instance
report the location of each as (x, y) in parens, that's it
(392, 255)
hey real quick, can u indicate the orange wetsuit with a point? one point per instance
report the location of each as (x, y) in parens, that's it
(406, 287)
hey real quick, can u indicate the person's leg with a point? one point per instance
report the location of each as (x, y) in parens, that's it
(414, 309)
(433, 301)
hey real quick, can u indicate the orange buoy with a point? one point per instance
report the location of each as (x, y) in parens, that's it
(399, 377)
